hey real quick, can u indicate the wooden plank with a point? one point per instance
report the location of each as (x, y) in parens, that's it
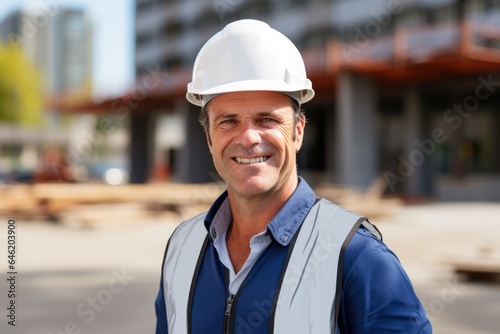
(479, 267)
(51, 199)
(58, 198)
(96, 193)
(16, 199)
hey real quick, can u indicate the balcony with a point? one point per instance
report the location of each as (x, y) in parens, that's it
(423, 53)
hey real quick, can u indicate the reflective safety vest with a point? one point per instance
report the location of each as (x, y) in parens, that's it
(305, 297)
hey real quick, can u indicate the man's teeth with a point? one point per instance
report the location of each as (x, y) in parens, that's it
(251, 160)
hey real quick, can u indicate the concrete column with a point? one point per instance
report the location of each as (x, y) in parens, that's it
(331, 145)
(413, 158)
(356, 126)
(142, 141)
(195, 161)
(497, 140)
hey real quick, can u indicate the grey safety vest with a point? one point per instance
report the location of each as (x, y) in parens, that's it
(315, 263)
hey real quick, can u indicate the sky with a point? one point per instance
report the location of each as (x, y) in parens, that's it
(113, 20)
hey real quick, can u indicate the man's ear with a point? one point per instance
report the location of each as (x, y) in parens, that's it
(299, 133)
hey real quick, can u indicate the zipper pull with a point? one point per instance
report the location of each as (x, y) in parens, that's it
(227, 314)
(229, 305)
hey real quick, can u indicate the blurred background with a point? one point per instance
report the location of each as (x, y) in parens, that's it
(101, 156)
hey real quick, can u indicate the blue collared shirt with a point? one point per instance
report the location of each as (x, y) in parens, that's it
(281, 228)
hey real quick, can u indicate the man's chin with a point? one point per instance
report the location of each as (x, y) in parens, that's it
(253, 187)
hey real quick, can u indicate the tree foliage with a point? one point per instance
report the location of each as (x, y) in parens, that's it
(21, 99)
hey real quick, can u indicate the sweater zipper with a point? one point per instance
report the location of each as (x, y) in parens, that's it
(227, 315)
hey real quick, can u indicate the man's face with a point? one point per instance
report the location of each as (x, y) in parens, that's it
(253, 141)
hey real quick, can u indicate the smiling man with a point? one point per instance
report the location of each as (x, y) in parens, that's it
(269, 256)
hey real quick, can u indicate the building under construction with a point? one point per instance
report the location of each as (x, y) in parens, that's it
(406, 90)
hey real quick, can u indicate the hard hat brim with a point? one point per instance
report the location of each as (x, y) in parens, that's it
(306, 91)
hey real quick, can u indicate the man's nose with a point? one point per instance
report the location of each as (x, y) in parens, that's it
(249, 135)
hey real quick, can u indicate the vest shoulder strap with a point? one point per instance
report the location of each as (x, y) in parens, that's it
(308, 301)
(184, 249)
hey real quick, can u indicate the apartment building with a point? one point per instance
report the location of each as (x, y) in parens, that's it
(59, 44)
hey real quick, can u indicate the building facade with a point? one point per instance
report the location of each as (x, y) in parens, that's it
(407, 91)
(59, 43)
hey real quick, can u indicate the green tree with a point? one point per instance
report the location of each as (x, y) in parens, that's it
(21, 99)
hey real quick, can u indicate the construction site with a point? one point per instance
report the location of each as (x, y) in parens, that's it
(403, 129)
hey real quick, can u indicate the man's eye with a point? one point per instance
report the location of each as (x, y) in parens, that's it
(227, 122)
(268, 120)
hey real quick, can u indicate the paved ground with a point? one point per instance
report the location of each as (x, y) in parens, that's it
(427, 238)
(104, 279)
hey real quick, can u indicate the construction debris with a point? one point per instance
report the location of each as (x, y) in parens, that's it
(89, 203)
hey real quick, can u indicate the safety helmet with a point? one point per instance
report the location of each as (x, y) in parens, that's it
(248, 55)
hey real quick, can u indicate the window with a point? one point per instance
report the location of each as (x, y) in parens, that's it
(475, 7)
(445, 14)
(143, 38)
(278, 6)
(411, 18)
(257, 9)
(207, 22)
(144, 5)
(172, 29)
(170, 63)
(317, 39)
(493, 4)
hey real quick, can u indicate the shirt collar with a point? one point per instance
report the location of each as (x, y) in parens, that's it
(286, 222)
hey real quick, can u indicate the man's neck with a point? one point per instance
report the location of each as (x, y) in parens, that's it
(252, 214)
(250, 217)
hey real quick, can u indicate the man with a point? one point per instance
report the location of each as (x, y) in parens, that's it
(269, 256)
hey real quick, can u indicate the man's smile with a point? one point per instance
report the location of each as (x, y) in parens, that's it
(251, 160)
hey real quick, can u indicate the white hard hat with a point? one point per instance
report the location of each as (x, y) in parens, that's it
(248, 55)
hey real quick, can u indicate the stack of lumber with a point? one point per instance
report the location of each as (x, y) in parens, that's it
(57, 197)
(481, 265)
(51, 200)
(17, 201)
